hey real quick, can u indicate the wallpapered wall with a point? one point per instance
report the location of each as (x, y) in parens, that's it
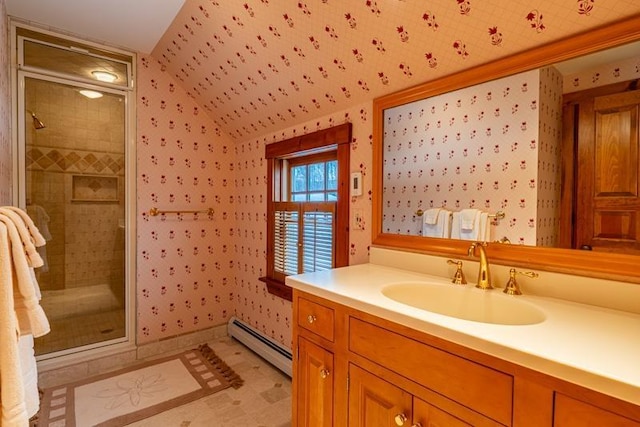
(258, 66)
(174, 294)
(602, 75)
(186, 264)
(492, 147)
(270, 314)
(195, 272)
(5, 111)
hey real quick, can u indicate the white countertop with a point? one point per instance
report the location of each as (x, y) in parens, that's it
(595, 347)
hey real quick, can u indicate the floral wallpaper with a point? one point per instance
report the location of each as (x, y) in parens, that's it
(500, 139)
(266, 312)
(263, 71)
(5, 111)
(195, 271)
(603, 74)
(185, 271)
(257, 66)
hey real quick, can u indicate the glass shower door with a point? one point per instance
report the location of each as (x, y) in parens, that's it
(74, 187)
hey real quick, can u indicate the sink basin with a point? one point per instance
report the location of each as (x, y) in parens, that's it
(467, 303)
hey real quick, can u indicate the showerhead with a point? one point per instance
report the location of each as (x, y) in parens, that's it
(37, 123)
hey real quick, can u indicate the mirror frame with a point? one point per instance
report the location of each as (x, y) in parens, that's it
(605, 265)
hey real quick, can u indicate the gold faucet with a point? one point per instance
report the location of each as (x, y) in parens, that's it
(458, 277)
(512, 287)
(484, 276)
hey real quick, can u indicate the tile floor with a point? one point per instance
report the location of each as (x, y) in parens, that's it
(264, 400)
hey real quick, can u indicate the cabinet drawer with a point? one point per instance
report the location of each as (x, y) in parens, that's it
(316, 318)
(482, 389)
(570, 412)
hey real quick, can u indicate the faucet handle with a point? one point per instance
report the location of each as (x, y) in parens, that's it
(458, 277)
(512, 287)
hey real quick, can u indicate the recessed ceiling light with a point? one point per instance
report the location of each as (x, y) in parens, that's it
(91, 93)
(104, 76)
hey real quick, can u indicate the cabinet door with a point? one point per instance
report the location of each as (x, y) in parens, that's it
(373, 402)
(426, 415)
(315, 385)
(574, 413)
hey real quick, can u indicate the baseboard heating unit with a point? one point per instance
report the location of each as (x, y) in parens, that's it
(263, 345)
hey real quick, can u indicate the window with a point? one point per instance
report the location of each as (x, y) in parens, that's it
(308, 206)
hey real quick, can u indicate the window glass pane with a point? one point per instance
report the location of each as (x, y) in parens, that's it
(332, 175)
(299, 197)
(316, 197)
(299, 178)
(316, 177)
(73, 63)
(332, 197)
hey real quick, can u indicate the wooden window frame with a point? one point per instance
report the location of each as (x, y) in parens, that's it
(338, 139)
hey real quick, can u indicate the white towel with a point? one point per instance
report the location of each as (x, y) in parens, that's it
(13, 408)
(38, 238)
(468, 219)
(441, 227)
(41, 221)
(31, 316)
(29, 374)
(484, 234)
(477, 231)
(33, 257)
(430, 216)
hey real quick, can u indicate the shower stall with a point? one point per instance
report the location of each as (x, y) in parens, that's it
(74, 164)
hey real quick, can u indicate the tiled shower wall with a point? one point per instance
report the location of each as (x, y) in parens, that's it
(76, 178)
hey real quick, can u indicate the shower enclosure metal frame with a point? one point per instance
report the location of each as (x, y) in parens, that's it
(19, 72)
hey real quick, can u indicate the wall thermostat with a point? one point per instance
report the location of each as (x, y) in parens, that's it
(356, 184)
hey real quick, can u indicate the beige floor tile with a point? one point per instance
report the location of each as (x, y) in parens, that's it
(264, 400)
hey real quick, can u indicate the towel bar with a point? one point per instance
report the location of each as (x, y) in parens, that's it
(156, 211)
(498, 215)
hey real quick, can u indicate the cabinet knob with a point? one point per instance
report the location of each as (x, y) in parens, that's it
(311, 318)
(400, 419)
(324, 373)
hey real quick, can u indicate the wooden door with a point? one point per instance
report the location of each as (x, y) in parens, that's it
(374, 402)
(606, 207)
(427, 415)
(315, 385)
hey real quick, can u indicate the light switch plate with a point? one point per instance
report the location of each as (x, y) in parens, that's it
(356, 184)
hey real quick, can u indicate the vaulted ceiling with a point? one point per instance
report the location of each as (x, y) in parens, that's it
(260, 65)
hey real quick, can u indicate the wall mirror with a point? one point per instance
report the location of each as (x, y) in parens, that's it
(492, 138)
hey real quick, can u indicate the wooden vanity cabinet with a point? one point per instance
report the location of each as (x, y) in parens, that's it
(313, 363)
(376, 402)
(315, 375)
(570, 412)
(352, 369)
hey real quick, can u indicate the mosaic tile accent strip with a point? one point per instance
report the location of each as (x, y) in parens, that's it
(77, 161)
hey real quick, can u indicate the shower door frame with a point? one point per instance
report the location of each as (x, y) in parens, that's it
(19, 73)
